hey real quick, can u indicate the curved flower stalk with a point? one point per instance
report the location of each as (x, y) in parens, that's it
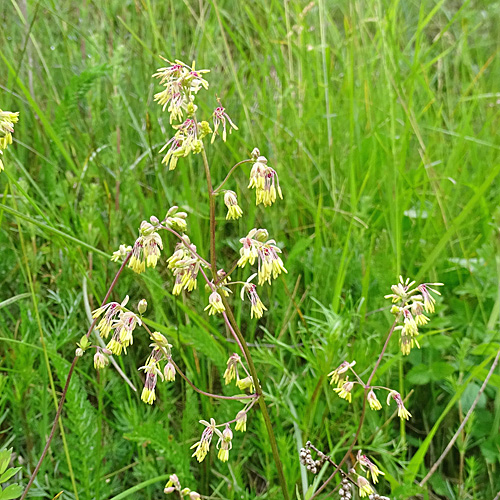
(7, 121)
(181, 85)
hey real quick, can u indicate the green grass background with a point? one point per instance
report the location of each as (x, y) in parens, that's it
(381, 118)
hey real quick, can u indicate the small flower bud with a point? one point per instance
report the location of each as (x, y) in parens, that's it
(142, 306)
(100, 360)
(241, 421)
(79, 352)
(255, 153)
(169, 372)
(245, 383)
(146, 228)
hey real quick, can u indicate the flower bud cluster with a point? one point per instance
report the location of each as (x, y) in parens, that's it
(265, 181)
(310, 463)
(410, 303)
(345, 490)
(174, 484)
(184, 266)
(7, 121)
(176, 220)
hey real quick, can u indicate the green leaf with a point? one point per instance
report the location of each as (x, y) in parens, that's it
(12, 491)
(405, 491)
(491, 449)
(419, 375)
(8, 474)
(4, 459)
(309, 492)
(486, 349)
(441, 370)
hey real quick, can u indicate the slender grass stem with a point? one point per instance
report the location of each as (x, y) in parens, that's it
(462, 425)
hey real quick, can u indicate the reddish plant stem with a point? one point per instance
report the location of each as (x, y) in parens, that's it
(363, 412)
(208, 394)
(200, 391)
(66, 385)
(241, 340)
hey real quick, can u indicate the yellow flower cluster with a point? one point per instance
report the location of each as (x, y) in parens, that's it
(7, 121)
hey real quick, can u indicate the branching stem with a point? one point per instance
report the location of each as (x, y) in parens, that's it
(363, 412)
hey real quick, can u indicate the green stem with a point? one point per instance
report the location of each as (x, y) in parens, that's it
(246, 352)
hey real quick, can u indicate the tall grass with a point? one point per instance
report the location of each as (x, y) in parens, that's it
(380, 117)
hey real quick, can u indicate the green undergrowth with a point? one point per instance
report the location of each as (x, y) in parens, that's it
(381, 119)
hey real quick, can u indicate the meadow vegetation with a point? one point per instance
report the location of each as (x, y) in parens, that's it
(381, 119)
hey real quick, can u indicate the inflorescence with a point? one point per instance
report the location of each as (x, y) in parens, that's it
(118, 324)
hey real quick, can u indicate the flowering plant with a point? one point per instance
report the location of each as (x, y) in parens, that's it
(119, 325)
(409, 304)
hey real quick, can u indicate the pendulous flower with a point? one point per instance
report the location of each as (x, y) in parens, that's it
(364, 487)
(100, 360)
(215, 305)
(403, 413)
(241, 421)
(203, 445)
(220, 117)
(373, 401)
(146, 248)
(224, 444)
(255, 247)
(257, 307)
(232, 368)
(340, 370)
(344, 391)
(364, 461)
(265, 181)
(233, 209)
